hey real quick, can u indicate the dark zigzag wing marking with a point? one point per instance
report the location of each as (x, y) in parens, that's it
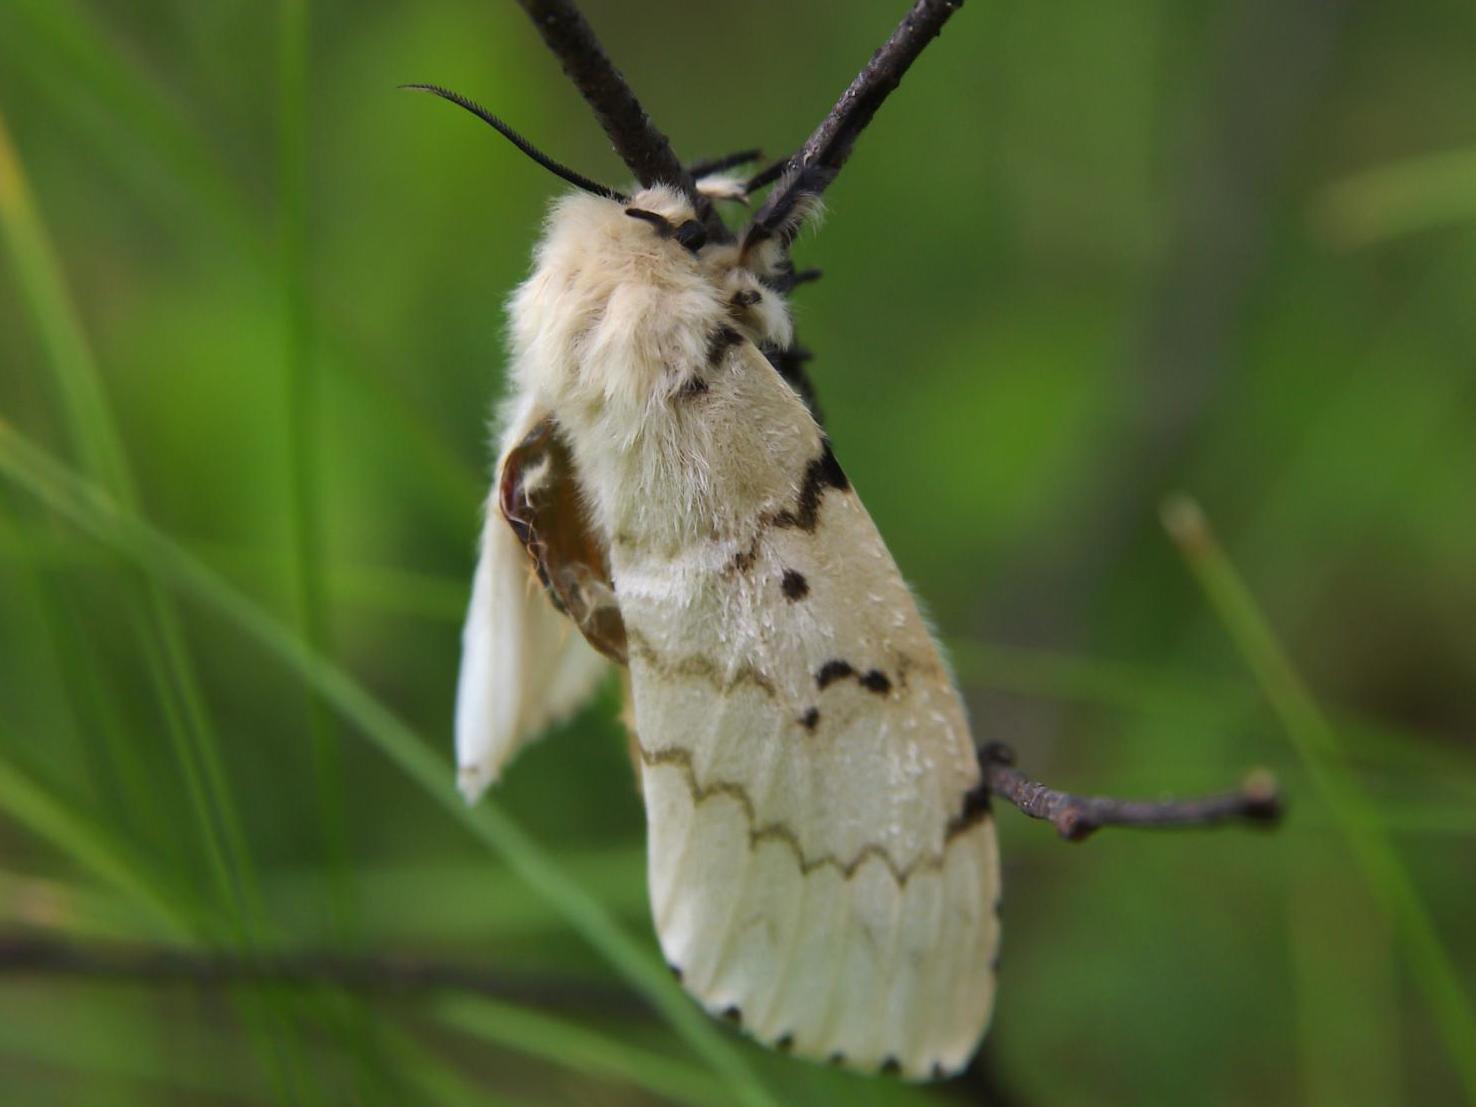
(975, 810)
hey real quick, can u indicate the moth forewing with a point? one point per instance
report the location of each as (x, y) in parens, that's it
(815, 869)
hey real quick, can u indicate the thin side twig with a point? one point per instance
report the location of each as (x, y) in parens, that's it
(1075, 817)
(642, 145)
(828, 147)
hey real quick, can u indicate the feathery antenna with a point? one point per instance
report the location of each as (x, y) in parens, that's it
(578, 180)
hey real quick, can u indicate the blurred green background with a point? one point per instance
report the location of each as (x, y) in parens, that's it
(1089, 255)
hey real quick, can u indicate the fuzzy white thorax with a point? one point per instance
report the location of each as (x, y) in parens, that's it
(617, 322)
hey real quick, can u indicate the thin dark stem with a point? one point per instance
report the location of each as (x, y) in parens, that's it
(384, 975)
(827, 149)
(645, 150)
(706, 167)
(1075, 817)
(767, 175)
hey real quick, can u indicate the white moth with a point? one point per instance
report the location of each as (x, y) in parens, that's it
(822, 866)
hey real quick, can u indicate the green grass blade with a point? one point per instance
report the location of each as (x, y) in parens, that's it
(97, 851)
(434, 1076)
(95, 434)
(60, 45)
(93, 848)
(569, 1046)
(1419, 194)
(1321, 752)
(93, 511)
(42, 285)
(161, 635)
(67, 55)
(304, 427)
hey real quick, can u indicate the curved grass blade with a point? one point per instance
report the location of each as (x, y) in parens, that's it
(1321, 752)
(92, 510)
(85, 405)
(574, 1047)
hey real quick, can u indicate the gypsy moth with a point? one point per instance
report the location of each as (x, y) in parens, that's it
(820, 869)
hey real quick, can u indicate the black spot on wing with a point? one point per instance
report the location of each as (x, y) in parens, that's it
(785, 1043)
(810, 719)
(833, 671)
(734, 1015)
(873, 680)
(891, 1067)
(795, 586)
(822, 473)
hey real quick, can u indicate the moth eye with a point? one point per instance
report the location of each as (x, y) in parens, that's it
(692, 235)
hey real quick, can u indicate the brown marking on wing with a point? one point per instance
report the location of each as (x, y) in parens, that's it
(744, 559)
(539, 498)
(697, 667)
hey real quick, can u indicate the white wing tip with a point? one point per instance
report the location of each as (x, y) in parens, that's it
(473, 780)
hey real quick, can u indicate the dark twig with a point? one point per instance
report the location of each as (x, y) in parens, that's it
(384, 975)
(645, 150)
(768, 174)
(828, 147)
(1075, 817)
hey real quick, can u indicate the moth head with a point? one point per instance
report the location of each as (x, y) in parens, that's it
(747, 283)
